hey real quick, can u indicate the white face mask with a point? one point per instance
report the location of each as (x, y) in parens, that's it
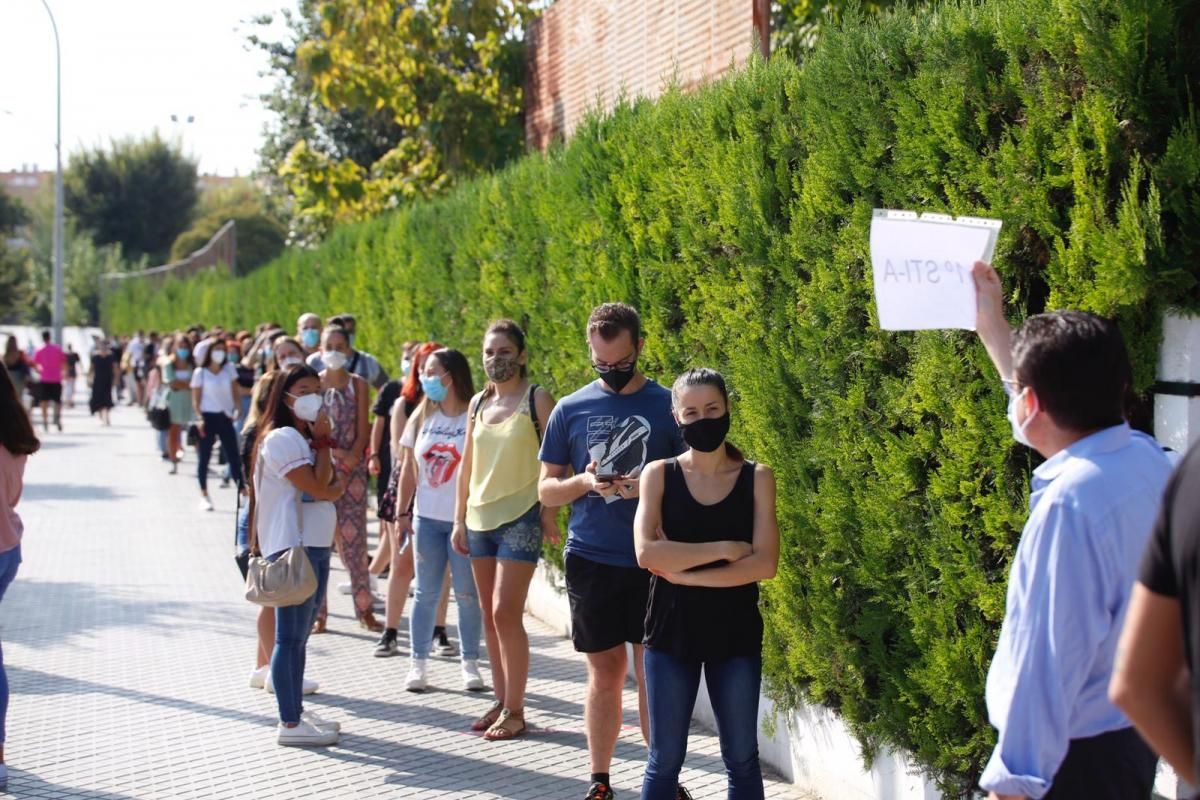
(334, 359)
(1018, 428)
(290, 361)
(218, 357)
(307, 407)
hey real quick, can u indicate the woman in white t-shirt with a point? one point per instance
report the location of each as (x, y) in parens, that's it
(215, 406)
(433, 443)
(292, 456)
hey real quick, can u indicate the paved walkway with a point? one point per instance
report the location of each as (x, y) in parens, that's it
(127, 645)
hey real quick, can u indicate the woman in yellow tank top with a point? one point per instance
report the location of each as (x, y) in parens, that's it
(498, 520)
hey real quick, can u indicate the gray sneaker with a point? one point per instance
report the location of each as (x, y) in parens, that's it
(387, 646)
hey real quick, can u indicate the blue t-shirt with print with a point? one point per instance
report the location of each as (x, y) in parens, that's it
(622, 433)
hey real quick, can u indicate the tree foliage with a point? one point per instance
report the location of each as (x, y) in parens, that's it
(797, 24)
(737, 219)
(439, 82)
(137, 194)
(14, 259)
(260, 231)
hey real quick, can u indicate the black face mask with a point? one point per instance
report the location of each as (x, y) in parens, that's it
(618, 379)
(707, 433)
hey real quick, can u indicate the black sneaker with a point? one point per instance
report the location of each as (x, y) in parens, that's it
(387, 646)
(599, 791)
(443, 646)
(683, 794)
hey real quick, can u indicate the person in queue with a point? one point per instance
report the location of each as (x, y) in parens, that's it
(498, 520)
(362, 364)
(177, 367)
(266, 616)
(402, 570)
(308, 332)
(293, 455)
(346, 401)
(1092, 507)
(284, 352)
(433, 443)
(706, 527)
(597, 442)
(17, 442)
(214, 405)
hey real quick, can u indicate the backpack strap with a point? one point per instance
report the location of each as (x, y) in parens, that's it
(537, 425)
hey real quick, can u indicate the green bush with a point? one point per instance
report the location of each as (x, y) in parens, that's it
(260, 238)
(736, 219)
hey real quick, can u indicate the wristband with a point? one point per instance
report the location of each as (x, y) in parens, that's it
(323, 444)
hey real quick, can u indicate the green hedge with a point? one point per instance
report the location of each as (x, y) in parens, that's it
(736, 219)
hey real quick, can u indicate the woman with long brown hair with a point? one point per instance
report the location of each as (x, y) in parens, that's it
(293, 455)
(17, 443)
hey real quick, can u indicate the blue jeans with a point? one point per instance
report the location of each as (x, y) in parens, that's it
(432, 551)
(292, 627)
(9, 561)
(671, 686)
(243, 525)
(218, 427)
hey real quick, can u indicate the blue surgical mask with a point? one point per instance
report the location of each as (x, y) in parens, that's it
(434, 389)
(183, 352)
(311, 337)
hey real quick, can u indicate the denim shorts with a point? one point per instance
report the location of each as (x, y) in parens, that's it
(519, 540)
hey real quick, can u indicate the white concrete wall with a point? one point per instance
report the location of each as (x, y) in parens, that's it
(810, 747)
(1177, 425)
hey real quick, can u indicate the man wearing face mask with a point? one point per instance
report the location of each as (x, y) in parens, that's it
(597, 442)
(1092, 507)
(308, 332)
(364, 365)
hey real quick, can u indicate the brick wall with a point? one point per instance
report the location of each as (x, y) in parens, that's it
(586, 52)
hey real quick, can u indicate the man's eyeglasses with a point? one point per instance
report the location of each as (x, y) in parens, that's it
(620, 366)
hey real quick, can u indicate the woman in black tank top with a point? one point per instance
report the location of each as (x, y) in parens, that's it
(706, 528)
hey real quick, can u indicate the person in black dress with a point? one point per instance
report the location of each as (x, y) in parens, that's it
(706, 529)
(102, 376)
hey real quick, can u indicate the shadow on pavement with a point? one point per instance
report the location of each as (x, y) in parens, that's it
(68, 491)
(26, 784)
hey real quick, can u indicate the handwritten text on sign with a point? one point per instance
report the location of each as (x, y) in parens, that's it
(922, 268)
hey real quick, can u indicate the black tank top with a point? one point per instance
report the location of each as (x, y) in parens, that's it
(702, 623)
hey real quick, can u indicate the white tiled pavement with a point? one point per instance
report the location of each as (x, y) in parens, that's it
(127, 646)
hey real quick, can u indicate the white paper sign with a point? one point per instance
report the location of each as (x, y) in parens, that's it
(922, 268)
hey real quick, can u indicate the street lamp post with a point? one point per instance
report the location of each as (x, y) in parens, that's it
(57, 318)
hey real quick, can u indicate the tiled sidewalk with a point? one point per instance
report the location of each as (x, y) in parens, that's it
(127, 645)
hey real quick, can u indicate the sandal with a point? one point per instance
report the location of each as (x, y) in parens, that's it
(510, 725)
(489, 719)
(368, 622)
(319, 626)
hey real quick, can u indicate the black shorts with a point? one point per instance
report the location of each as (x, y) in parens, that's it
(49, 392)
(608, 604)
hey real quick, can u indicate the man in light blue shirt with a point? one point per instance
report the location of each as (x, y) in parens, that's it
(1093, 505)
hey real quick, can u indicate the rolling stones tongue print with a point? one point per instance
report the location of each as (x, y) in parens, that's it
(441, 463)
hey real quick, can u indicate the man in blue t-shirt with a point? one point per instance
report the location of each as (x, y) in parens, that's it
(597, 442)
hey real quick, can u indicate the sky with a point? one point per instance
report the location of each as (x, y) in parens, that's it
(127, 67)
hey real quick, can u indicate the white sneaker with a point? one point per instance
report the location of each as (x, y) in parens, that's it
(206, 504)
(258, 677)
(417, 670)
(318, 721)
(472, 680)
(310, 686)
(305, 735)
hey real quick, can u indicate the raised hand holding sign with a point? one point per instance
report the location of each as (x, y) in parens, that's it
(922, 268)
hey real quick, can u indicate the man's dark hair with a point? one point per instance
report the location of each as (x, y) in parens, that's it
(610, 319)
(45, 336)
(1077, 365)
